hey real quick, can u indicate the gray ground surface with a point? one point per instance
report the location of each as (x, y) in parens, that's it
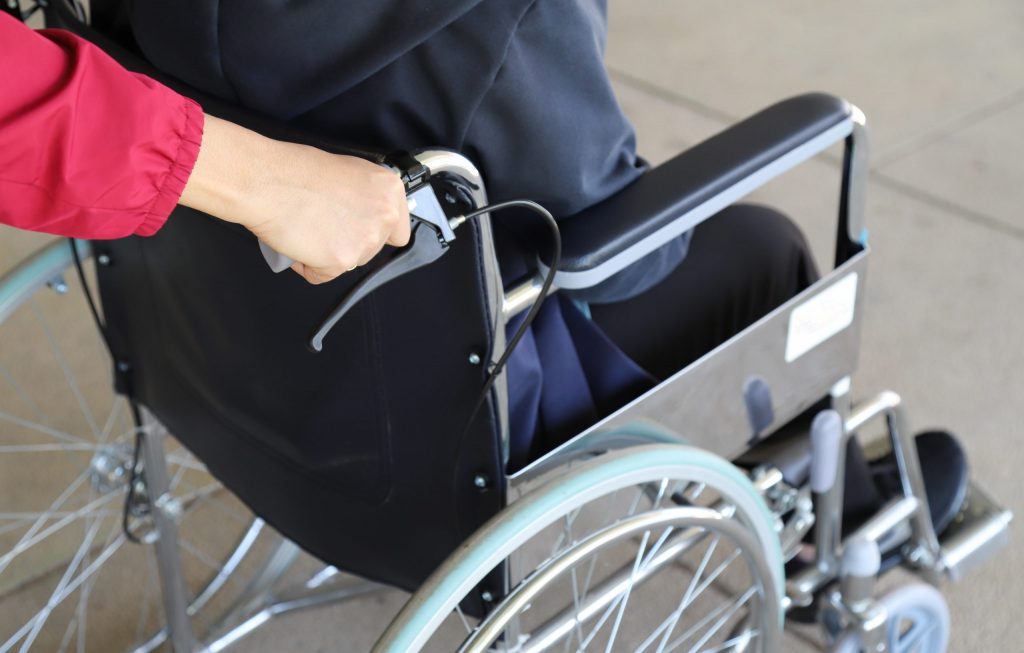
(942, 84)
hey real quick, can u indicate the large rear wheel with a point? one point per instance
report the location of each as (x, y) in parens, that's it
(658, 548)
(77, 569)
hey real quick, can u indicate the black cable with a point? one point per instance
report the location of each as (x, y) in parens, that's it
(545, 288)
(133, 475)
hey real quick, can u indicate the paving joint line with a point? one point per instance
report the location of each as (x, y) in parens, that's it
(908, 191)
(671, 96)
(954, 126)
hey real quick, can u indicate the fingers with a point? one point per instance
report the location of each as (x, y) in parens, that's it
(400, 227)
(315, 276)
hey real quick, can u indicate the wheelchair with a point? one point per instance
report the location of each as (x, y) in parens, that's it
(704, 514)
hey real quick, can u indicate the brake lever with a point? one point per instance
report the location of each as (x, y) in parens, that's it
(430, 237)
(426, 245)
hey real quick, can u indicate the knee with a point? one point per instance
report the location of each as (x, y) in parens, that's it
(762, 227)
(760, 233)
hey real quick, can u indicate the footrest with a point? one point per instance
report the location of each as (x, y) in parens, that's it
(978, 531)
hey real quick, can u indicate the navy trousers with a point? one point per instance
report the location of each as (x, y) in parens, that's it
(582, 361)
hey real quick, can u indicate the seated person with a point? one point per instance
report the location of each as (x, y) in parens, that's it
(518, 86)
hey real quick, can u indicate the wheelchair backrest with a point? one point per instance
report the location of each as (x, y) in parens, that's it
(350, 452)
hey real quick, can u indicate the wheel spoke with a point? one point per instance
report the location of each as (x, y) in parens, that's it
(68, 376)
(729, 643)
(600, 622)
(27, 539)
(910, 640)
(40, 619)
(722, 620)
(25, 397)
(42, 428)
(43, 448)
(199, 555)
(181, 461)
(566, 534)
(114, 543)
(577, 626)
(629, 590)
(669, 624)
(465, 622)
(713, 576)
(641, 492)
(723, 613)
(192, 497)
(115, 412)
(661, 494)
(68, 632)
(39, 536)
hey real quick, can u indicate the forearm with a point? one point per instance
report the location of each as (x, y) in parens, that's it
(87, 149)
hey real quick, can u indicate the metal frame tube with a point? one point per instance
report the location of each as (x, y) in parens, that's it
(168, 558)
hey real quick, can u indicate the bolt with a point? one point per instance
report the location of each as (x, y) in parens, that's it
(170, 506)
(486, 596)
(103, 259)
(59, 286)
(481, 481)
(474, 358)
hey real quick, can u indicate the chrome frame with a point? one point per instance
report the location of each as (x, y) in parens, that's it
(440, 161)
(168, 557)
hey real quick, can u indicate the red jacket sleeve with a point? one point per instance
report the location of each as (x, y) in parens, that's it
(87, 149)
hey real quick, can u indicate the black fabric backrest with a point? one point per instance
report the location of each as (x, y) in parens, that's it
(358, 453)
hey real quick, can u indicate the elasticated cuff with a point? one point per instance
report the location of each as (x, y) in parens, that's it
(190, 139)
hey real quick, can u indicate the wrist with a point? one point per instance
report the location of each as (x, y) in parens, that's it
(228, 173)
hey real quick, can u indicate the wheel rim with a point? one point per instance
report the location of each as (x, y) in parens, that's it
(650, 475)
(70, 578)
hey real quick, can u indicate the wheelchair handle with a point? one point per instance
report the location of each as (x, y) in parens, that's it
(278, 262)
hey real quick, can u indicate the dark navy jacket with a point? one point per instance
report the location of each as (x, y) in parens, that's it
(519, 86)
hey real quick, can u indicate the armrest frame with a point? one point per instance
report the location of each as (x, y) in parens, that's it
(610, 236)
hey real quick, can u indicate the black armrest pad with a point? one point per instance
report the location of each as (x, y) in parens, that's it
(656, 200)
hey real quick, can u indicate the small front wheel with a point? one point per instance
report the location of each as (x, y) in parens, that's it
(918, 622)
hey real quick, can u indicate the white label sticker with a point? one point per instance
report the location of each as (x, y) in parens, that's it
(821, 317)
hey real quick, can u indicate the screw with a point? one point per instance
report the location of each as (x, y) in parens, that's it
(481, 481)
(59, 286)
(486, 596)
(474, 358)
(170, 506)
(103, 259)
(123, 366)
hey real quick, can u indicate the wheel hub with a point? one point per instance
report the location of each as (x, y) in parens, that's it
(110, 469)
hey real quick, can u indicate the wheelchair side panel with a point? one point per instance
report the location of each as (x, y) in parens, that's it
(799, 351)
